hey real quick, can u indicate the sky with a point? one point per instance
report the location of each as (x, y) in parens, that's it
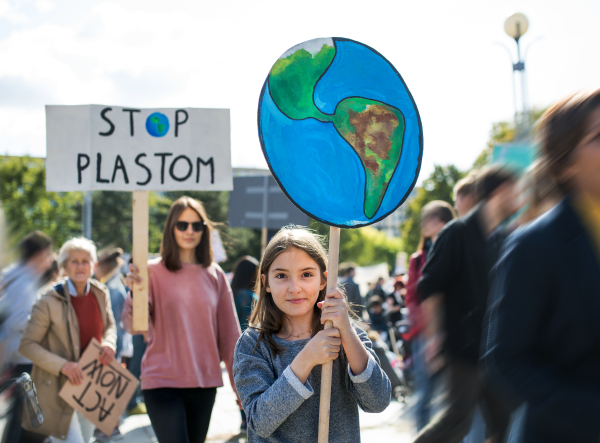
(453, 55)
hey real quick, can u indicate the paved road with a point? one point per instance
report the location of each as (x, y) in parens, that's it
(392, 425)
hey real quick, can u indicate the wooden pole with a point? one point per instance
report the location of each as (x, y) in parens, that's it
(140, 259)
(326, 369)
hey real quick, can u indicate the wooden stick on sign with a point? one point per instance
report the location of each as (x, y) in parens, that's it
(326, 369)
(140, 259)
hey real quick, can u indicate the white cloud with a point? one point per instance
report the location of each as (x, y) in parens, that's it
(44, 5)
(4, 7)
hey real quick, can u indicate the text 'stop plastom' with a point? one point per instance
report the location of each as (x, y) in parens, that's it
(101, 147)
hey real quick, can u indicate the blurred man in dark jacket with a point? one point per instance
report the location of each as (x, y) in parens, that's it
(454, 288)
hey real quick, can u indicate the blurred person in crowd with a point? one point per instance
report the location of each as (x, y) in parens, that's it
(62, 324)
(50, 277)
(370, 294)
(19, 285)
(395, 301)
(351, 289)
(245, 272)
(378, 289)
(139, 342)
(434, 217)
(453, 289)
(465, 195)
(107, 271)
(378, 319)
(543, 347)
(192, 327)
(465, 199)
(540, 191)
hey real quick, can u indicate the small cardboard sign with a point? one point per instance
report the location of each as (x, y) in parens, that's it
(105, 391)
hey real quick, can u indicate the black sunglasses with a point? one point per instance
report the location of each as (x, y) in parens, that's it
(196, 226)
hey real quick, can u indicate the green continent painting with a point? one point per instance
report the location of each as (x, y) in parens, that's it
(328, 92)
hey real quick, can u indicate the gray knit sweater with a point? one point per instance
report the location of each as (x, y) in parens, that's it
(279, 408)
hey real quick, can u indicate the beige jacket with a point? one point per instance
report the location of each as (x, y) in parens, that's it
(50, 340)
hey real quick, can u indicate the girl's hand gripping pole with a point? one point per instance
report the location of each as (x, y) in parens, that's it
(326, 369)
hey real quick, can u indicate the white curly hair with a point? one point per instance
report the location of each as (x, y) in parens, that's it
(77, 244)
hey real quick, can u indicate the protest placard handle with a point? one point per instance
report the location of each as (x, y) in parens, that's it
(140, 259)
(326, 369)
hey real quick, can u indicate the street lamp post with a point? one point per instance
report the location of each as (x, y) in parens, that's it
(516, 26)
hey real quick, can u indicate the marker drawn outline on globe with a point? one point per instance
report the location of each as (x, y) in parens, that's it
(374, 129)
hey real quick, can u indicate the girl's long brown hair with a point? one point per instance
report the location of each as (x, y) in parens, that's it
(266, 317)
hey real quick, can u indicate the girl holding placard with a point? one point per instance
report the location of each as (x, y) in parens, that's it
(277, 360)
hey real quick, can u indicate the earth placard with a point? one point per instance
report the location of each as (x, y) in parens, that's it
(340, 131)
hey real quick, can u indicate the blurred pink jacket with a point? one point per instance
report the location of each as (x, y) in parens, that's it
(192, 327)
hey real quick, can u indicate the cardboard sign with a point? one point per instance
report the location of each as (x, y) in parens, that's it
(96, 147)
(105, 391)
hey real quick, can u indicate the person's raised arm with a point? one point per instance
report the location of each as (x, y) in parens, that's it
(127, 314)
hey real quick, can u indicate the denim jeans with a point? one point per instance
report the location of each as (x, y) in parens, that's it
(424, 383)
(135, 367)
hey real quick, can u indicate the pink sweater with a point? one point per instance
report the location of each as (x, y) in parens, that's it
(193, 327)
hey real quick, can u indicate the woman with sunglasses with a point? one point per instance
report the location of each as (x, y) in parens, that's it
(192, 327)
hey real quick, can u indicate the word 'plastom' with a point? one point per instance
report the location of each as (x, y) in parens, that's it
(105, 391)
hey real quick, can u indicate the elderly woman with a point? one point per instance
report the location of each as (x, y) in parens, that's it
(62, 324)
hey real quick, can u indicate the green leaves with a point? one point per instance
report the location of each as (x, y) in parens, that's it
(438, 186)
(28, 206)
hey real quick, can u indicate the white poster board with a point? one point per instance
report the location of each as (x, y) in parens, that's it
(97, 147)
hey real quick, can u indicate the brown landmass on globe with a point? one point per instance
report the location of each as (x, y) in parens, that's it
(373, 130)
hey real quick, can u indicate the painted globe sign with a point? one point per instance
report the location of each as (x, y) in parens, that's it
(157, 124)
(340, 131)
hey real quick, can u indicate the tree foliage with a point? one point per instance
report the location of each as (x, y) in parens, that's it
(28, 206)
(363, 246)
(368, 246)
(438, 186)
